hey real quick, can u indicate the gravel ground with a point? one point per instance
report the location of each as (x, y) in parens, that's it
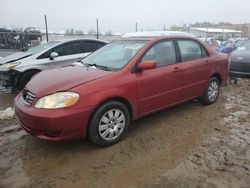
(186, 146)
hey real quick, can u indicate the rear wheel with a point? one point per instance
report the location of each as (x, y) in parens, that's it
(108, 123)
(211, 92)
(25, 78)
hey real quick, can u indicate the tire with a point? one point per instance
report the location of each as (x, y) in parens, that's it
(25, 78)
(108, 124)
(211, 92)
(233, 80)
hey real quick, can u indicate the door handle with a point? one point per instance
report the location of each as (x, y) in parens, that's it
(206, 62)
(176, 69)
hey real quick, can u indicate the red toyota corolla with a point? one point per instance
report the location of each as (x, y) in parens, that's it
(122, 81)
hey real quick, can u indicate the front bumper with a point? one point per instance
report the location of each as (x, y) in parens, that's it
(8, 79)
(52, 125)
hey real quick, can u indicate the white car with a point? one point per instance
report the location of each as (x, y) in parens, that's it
(17, 69)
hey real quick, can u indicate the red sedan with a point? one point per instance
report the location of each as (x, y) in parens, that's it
(122, 81)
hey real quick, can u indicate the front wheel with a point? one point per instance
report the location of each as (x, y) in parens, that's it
(211, 92)
(108, 123)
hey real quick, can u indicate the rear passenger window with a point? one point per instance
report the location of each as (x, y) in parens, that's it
(91, 46)
(191, 50)
(69, 49)
(163, 53)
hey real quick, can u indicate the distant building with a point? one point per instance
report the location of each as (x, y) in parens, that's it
(216, 33)
(245, 28)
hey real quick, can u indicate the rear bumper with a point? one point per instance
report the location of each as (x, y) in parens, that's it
(52, 125)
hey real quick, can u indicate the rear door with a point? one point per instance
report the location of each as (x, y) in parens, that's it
(159, 87)
(196, 68)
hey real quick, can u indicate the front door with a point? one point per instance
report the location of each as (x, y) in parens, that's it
(160, 87)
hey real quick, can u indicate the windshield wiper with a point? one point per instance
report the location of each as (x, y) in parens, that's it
(97, 66)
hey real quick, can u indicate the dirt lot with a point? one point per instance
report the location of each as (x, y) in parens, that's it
(187, 146)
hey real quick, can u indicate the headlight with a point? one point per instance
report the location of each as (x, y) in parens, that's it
(8, 66)
(58, 100)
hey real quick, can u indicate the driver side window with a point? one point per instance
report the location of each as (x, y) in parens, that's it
(163, 53)
(65, 49)
(69, 49)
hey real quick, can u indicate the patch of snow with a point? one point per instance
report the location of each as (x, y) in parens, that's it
(79, 64)
(229, 106)
(154, 34)
(4, 90)
(215, 30)
(6, 114)
(240, 114)
(234, 117)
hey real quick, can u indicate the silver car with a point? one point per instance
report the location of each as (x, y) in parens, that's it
(17, 69)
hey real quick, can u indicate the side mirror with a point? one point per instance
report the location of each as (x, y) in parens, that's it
(53, 55)
(144, 65)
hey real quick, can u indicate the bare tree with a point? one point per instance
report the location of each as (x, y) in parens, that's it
(78, 32)
(67, 32)
(109, 33)
(92, 32)
(72, 31)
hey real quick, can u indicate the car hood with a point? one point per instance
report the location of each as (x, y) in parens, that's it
(240, 56)
(63, 79)
(14, 57)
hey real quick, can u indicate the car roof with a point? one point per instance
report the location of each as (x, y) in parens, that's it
(154, 34)
(60, 42)
(83, 39)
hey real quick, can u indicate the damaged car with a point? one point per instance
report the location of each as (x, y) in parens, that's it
(17, 69)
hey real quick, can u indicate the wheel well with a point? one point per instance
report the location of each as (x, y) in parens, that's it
(22, 74)
(120, 99)
(218, 76)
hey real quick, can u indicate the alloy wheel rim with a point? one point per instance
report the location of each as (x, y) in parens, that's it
(213, 91)
(112, 124)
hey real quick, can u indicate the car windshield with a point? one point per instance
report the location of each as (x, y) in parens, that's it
(244, 46)
(241, 43)
(42, 47)
(115, 55)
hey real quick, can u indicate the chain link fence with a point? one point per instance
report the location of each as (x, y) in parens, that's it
(57, 36)
(22, 40)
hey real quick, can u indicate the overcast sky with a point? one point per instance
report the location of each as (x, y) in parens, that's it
(120, 15)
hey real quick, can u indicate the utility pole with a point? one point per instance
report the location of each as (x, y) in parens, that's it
(244, 30)
(223, 33)
(164, 27)
(207, 32)
(136, 25)
(46, 26)
(97, 29)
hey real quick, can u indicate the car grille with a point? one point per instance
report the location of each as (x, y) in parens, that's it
(28, 97)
